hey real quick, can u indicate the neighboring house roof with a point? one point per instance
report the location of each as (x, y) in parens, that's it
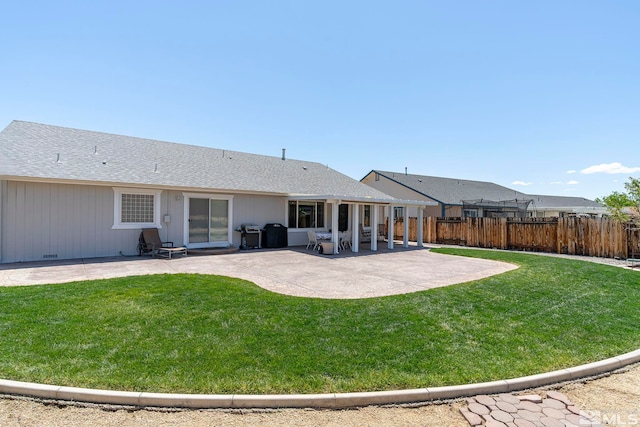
(451, 191)
(35, 151)
(542, 202)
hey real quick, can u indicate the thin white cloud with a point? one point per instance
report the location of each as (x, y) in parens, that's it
(572, 171)
(523, 183)
(573, 182)
(610, 168)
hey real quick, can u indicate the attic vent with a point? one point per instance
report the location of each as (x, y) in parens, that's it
(49, 256)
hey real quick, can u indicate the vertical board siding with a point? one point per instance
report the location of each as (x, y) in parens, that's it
(58, 221)
(601, 237)
(44, 221)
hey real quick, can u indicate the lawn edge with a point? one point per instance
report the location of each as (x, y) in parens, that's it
(324, 401)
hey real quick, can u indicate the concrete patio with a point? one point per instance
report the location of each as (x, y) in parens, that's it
(291, 271)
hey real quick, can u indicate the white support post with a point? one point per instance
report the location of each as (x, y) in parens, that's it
(390, 227)
(420, 227)
(335, 237)
(355, 228)
(405, 220)
(374, 227)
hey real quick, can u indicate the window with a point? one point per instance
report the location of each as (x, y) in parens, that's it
(343, 217)
(134, 208)
(470, 213)
(306, 214)
(366, 216)
(398, 212)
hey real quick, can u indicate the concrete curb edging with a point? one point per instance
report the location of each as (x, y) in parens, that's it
(328, 400)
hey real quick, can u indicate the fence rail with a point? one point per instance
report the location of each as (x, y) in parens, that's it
(575, 236)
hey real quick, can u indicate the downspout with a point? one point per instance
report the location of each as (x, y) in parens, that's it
(443, 211)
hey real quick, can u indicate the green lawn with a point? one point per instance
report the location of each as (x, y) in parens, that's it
(212, 334)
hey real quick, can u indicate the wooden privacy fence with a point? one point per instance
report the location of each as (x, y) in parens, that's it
(575, 236)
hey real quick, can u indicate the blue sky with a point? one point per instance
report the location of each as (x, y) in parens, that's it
(539, 96)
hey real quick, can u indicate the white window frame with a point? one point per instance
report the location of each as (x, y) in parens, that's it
(228, 198)
(117, 209)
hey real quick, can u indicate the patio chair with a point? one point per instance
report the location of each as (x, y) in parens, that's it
(345, 240)
(365, 235)
(312, 240)
(149, 241)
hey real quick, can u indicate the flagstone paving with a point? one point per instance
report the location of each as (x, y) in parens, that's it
(549, 409)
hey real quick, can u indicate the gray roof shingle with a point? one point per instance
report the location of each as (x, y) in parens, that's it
(451, 191)
(544, 202)
(39, 151)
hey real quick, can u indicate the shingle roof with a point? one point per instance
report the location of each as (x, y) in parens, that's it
(39, 151)
(542, 202)
(451, 191)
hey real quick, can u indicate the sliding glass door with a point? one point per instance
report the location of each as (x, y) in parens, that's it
(208, 221)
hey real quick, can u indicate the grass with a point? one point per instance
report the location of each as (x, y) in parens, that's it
(213, 334)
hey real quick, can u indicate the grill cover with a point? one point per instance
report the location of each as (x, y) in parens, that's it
(275, 236)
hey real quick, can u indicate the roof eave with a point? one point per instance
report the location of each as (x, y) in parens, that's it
(363, 200)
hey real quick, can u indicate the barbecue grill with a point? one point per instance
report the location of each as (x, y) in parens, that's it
(250, 236)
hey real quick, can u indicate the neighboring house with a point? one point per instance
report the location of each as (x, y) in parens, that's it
(564, 206)
(68, 193)
(467, 198)
(454, 197)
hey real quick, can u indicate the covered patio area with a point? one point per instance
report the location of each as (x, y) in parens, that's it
(363, 220)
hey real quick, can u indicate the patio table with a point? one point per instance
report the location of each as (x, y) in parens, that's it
(323, 235)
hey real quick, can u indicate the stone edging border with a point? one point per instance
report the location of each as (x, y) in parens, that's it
(327, 401)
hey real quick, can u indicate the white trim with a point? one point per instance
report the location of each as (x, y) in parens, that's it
(117, 208)
(362, 200)
(325, 204)
(208, 196)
